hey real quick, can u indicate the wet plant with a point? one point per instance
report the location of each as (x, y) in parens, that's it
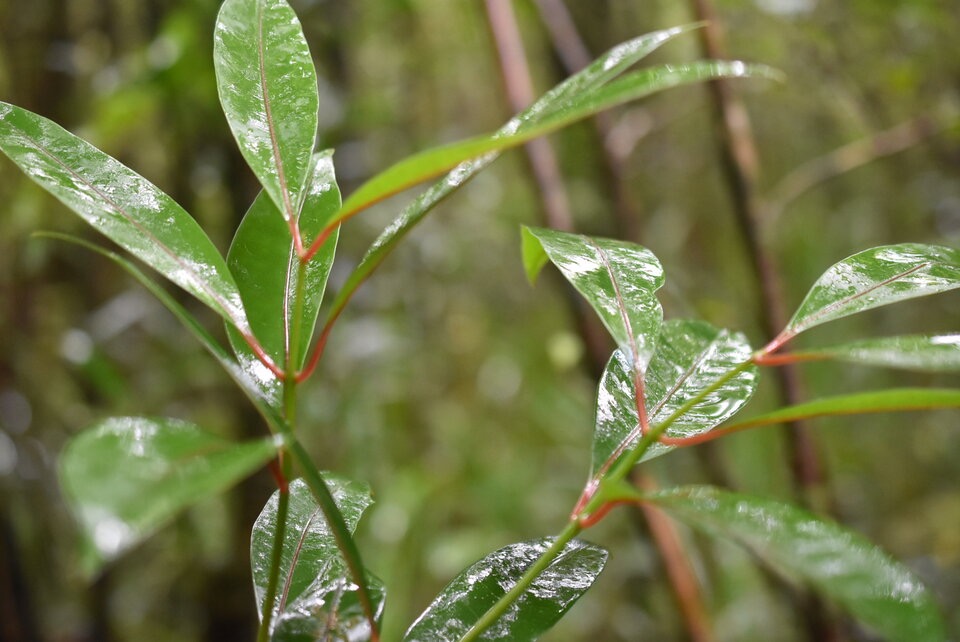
(668, 384)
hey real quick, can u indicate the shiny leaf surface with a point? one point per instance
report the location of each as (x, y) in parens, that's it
(840, 564)
(125, 477)
(478, 588)
(316, 592)
(876, 277)
(268, 89)
(690, 356)
(936, 353)
(123, 206)
(617, 278)
(265, 264)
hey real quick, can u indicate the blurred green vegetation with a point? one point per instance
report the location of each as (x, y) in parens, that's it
(461, 395)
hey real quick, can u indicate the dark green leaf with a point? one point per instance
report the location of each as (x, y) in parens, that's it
(690, 356)
(876, 277)
(839, 564)
(268, 89)
(317, 596)
(125, 477)
(123, 206)
(479, 587)
(938, 353)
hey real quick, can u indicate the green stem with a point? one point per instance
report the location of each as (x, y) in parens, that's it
(496, 611)
(276, 556)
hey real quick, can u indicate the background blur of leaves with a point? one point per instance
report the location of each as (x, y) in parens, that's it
(458, 392)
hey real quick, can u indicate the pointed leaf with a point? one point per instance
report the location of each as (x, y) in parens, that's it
(937, 353)
(123, 206)
(479, 587)
(690, 356)
(618, 279)
(126, 476)
(268, 271)
(268, 89)
(841, 565)
(876, 277)
(316, 591)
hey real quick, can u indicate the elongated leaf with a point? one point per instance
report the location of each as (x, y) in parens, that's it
(937, 353)
(617, 278)
(123, 206)
(841, 565)
(317, 596)
(268, 89)
(890, 400)
(125, 477)
(267, 269)
(479, 587)
(690, 357)
(875, 277)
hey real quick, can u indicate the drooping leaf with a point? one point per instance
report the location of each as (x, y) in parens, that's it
(876, 277)
(265, 264)
(479, 587)
(316, 595)
(936, 353)
(617, 278)
(123, 206)
(268, 89)
(690, 357)
(126, 476)
(840, 564)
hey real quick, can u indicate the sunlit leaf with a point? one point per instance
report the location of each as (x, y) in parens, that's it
(125, 477)
(479, 587)
(316, 594)
(841, 565)
(936, 353)
(617, 278)
(123, 206)
(876, 277)
(268, 89)
(265, 264)
(690, 356)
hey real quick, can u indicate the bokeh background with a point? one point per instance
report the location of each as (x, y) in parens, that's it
(461, 394)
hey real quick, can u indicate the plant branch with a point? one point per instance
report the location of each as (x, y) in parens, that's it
(276, 554)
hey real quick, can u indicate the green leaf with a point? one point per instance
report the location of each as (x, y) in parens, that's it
(890, 400)
(479, 587)
(618, 279)
(265, 264)
(690, 356)
(268, 89)
(123, 206)
(937, 353)
(126, 476)
(876, 277)
(841, 565)
(317, 596)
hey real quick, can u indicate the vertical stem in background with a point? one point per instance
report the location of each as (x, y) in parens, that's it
(519, 88)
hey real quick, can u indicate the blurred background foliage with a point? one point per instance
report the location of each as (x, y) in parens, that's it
(461, 394)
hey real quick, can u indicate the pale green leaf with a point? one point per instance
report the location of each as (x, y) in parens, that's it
(934, 353)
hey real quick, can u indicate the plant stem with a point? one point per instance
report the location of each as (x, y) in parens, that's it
(496, 611)
(276, 555)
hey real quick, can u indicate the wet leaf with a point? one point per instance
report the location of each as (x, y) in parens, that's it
(840, 564)
(876, 277)
(126, 476)
(936, 353)
(316, 596)
(268, 89)
(123, 206)
(479, 587)
(690, 356)
(617, 278)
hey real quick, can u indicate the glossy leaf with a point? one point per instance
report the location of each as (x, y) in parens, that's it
(690, 357)
(317, 596)
(876, 277)
(268, 89)
(265, 264)
(479, 587)
(936, 353)
(617, 278)
(123, 206)
(890, 400)
(841, 565)
(125, 477)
